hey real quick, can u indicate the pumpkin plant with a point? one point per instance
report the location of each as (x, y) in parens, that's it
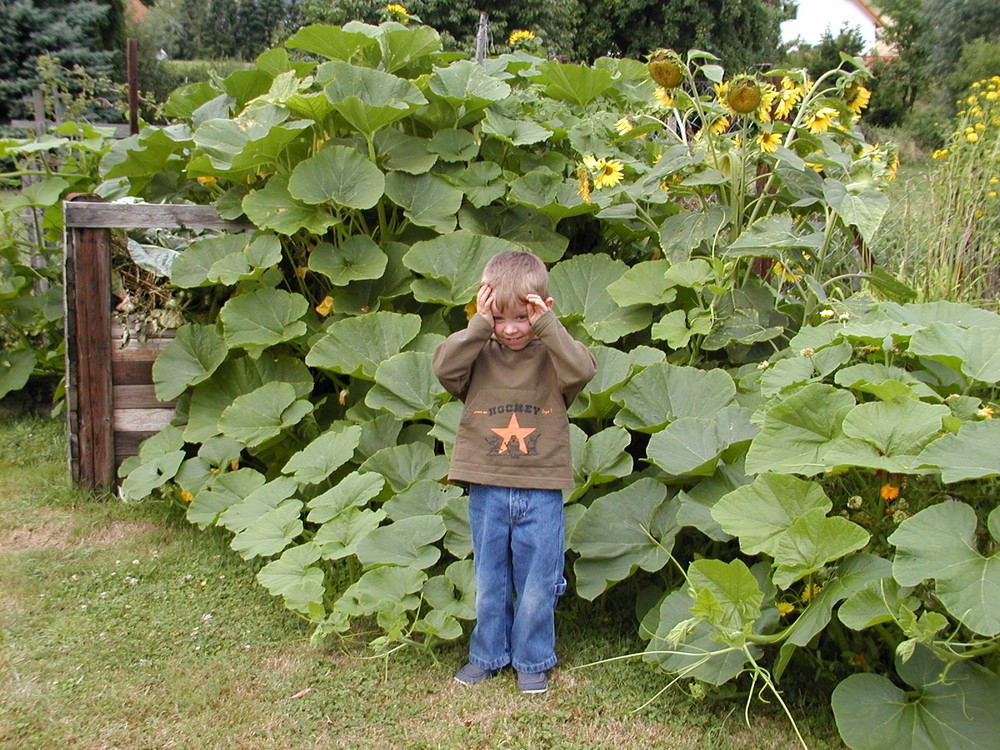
(688, 245)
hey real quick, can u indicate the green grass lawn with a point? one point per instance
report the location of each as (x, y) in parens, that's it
(123, 626)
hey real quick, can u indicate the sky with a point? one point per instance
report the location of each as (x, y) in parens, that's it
(814, 16)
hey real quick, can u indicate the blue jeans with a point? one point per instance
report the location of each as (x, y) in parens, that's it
(517, 551)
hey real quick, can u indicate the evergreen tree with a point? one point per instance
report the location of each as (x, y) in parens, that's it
(63, 30)
(222, 37)
(950, 24)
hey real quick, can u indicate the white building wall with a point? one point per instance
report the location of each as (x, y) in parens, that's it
(816, 16)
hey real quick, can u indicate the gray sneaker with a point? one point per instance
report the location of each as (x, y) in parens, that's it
(470, 674)
(532, 683)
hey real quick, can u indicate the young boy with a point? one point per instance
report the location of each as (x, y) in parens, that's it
(517, 370)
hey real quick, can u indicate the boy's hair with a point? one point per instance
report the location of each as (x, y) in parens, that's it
(513, 275)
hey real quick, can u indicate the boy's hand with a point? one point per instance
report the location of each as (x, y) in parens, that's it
(536, 307)
(484, 303)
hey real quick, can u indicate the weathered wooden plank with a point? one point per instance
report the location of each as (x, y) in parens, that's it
(127, 444)
(142, 420)
(137, 351)
(131, 373)
(88, 273)
(139, 396)
(147, 216)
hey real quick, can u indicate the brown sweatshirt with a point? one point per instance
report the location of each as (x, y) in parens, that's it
(514, 431)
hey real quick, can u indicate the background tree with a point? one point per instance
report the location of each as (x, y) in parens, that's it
(741, 32)
(825, 55)
(898, 78)
(67, 31)
(950, 24)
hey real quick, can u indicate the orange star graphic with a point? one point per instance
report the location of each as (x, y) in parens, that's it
(513, 430)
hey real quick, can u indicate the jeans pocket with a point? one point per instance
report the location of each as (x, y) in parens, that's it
(560, 586)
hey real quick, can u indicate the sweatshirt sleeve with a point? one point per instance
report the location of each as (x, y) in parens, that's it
(573, 362)
(454, 357)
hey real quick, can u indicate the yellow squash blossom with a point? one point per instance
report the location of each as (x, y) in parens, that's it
(785, 609)
(206, 180)
(325, 307)
(769, 142)
(810, 591)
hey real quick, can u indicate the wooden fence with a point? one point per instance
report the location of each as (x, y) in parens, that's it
(110, 403)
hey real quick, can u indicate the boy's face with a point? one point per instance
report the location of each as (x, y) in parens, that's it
(512, 327)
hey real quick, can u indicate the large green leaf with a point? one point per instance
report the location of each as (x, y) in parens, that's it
(454, 592)
(975, 352)
(339, 537)
(682, 233)
(193, 267)
(397, 150)
(644, 284)
(692, 446)
(353, 491)
(368, 99)
(191, 357)
(323, 455)
(424, 498)
(338, 175)
(464, 83)
(263, 318)
(262, 414)
(726, 595)
(237, 377)
(402, 46)
(761, 512)
(957, 713)
(380, 586)
(516, 131)
(579, 286)
(271, 533)
(296, 579)
(356, 346)
(15, 369)
(799, 430)
(405, 385)
(664, 392)
(273, 207)
(426, 199)
(331, 42)
(267, 497)
(620, 532)
(453, 264)
(403, 465)
(614, 367)
(812, 541)
(482, 183)
(409, 541)
(355, 258)
(940, 542)
(699, 655)
(971, 453)
(863, 209)
(578, 84)
(222, 493)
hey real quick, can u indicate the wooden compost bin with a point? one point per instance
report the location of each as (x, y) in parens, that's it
(111, 406)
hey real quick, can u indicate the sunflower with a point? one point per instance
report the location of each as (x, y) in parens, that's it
(623, 125)
(609, 175)
(521, 35)
(768, 142)
(860, 97)
(720, 126)
(664, 99)
(788, 97)
(767, 96)
(821, 120)
(583, 184)
(399, 11)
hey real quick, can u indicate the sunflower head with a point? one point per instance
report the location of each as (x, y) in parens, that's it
(519, 37)
(743, 94)
(666, 68)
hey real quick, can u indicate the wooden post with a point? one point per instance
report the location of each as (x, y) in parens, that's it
(484, 23)
(131, 66)
(87, 283)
